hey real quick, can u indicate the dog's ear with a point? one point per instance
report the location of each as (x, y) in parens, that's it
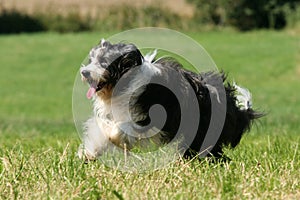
(124, 57)
(131, 59)
(130, 56)
(104, 43)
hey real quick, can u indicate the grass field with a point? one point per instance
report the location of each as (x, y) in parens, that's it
(38, 140)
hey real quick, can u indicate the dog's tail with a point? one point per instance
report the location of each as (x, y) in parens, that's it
(246, 115)
(244, 101)
(243, 97)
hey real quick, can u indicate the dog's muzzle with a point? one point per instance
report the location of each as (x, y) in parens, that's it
(95, 85)
(86, 74)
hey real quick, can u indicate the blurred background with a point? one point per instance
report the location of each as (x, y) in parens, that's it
(186, 15)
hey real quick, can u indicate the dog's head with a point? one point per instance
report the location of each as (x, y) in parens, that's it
(107, 63)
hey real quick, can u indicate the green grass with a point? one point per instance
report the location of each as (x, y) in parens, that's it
(38, 140)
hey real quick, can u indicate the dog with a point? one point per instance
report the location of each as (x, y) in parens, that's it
(125, 85)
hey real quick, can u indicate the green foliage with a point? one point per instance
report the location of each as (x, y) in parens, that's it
(211, 12)
(73, 22)
(273, 14)
(242, 14)
(126, 17)
(117, 18)
(15, 22)
(248, 14)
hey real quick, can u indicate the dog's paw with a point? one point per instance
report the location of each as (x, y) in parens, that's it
(85, 155)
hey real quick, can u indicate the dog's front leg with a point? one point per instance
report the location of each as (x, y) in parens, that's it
(94, 141)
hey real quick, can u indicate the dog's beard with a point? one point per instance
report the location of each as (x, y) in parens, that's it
(95, 79)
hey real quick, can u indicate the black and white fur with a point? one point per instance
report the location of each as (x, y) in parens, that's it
(108, 63)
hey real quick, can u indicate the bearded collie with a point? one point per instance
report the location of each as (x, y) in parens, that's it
(127, 88)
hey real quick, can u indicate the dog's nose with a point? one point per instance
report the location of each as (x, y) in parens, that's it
(86, 73)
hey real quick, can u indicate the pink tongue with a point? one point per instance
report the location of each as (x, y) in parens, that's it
(90, 92)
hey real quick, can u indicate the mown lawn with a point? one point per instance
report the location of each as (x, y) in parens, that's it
(38, 139)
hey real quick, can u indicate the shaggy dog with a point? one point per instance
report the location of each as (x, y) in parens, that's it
(125, 85)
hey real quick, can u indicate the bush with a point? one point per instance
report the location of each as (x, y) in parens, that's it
(247, 14)
(211, 12)
(73, 22)
(126, 17)
(15, 22)
(253, 14)
(117, 18)
(243, 14)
